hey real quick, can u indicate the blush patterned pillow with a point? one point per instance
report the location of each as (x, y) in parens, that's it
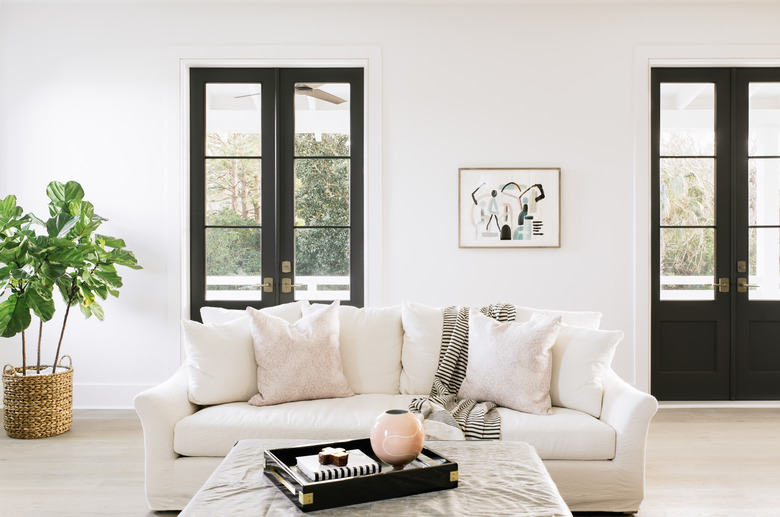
(510, 363)
(297, 361)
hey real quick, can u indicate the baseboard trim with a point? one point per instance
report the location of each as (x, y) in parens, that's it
(715, 404)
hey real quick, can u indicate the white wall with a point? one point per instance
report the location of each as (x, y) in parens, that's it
(85, 94)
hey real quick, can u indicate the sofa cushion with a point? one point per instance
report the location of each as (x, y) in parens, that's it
(581, 357)
(509, 363)
(288, 311)
(220, 361)
(212, 431)
(565, 434)
(297, 361)
(422, 327)
(370, 344)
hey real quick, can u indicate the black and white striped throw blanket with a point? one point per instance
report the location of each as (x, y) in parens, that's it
(445, 416)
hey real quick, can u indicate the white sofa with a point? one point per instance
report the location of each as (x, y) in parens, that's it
(594, 453)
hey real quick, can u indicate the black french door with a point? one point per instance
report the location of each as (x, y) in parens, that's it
(276, 193)
(715, 330)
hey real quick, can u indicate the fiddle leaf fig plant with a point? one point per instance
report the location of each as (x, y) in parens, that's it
(65, 252)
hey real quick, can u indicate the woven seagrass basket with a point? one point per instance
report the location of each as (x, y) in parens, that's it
(38, 406)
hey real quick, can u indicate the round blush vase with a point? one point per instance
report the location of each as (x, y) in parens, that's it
(397, 437)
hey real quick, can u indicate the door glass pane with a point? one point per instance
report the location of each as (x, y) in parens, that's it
(687, 263)
(321, 192)
(764, 191)
(233, 192)
(764, 264)
(687, 119)
(233, 119)
(322, 119)
(233, 264)
(688, 192)
(764, 119)
(322, 263)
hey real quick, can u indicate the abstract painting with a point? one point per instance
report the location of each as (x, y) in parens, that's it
(510, 208)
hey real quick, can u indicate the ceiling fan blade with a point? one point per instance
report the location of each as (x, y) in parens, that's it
(305, 89)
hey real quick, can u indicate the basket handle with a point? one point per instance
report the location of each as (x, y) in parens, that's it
(12, 370)
(70, 362)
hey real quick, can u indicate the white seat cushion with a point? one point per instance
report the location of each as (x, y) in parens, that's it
(212, 431)
(566, 434)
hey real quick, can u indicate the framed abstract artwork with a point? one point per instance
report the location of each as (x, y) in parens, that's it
(509, 208)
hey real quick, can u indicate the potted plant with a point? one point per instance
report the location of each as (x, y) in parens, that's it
(65, 253)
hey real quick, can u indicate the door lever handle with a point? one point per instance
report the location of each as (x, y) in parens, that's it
(267, 285)
(742, 285)
(288, 286)
(722, 285)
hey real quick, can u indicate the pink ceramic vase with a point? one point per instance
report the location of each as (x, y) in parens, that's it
(397, 437)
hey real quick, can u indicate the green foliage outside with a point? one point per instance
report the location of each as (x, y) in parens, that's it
(687, 199)
(321, 199)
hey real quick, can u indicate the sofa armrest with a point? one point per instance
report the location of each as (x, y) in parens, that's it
(159, 409)
(628, 411)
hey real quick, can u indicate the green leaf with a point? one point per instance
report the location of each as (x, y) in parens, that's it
(9, 209)
(86, 295)
(97, 311)
(62, 194)
(83, 209)
(41, 302)
(125, 258)
(111, 242)
(100, 290)
(85, 310)
(61, 243)
(60, 225)
(65, 286)
(14, 316)
(67, 257)
(108, 275)
(53, 271)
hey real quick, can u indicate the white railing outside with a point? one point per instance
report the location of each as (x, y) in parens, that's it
(310, 290)
(768, 288)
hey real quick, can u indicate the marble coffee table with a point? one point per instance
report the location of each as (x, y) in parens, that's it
(496, 478)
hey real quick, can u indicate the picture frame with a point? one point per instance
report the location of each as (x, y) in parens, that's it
(509, 207)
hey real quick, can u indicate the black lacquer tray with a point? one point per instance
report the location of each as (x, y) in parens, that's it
(428, 473)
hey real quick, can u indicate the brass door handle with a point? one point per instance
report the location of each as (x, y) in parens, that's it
(267, 285)
(287, 285)
(722, 285)
(742, 285)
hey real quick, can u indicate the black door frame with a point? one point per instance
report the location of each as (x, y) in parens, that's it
(732, 378)
(277, 151)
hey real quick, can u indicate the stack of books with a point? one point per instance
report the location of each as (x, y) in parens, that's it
(359, 464)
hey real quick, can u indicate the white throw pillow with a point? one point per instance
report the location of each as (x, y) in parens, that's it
(588, 320)
(220, 361)
(289, 311)
(370, 343)
(422, 327)
(297, 361)
(580, 359)
(510, 363)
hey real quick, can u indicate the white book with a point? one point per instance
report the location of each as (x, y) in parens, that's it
(359, 464)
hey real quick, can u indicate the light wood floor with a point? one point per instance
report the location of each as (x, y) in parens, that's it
(709, 462)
